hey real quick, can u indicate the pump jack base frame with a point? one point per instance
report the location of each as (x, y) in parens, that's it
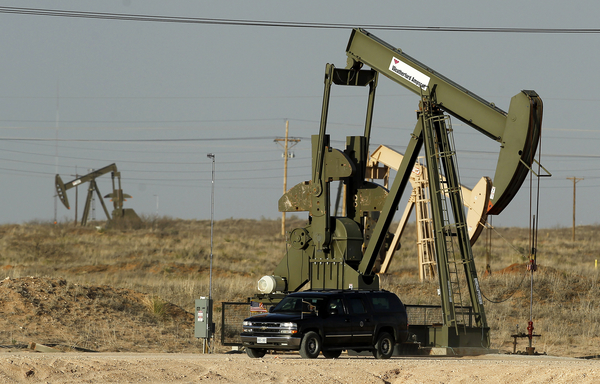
(460, 351)
(439, 340)
(448, 337)
(409, 349)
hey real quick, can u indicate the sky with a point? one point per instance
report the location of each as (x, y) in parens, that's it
(156, 97)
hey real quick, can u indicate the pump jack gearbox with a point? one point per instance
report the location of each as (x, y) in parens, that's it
(340, 252)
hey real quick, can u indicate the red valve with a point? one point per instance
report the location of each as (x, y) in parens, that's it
(530, 329)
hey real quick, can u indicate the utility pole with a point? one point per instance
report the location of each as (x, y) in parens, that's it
(575, 180)
(76, 195)
(286, 155)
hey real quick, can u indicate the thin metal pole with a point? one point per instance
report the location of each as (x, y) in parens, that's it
(212, 220)
(56, 149)
(76, 195)
(212, 226)
(531, 290)
(156, 205)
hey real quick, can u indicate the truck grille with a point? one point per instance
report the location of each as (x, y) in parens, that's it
(264, 328)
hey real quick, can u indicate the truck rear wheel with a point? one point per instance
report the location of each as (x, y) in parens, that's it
(256, 353)
(332, 354)
(384, 347)
(310, 346)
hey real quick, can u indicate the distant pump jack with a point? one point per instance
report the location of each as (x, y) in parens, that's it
(117, 196)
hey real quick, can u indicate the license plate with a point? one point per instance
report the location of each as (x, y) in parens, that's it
(261, 340)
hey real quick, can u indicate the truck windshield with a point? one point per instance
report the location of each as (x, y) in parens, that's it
(298, 304)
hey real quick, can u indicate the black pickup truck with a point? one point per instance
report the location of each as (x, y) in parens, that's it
(329, 322)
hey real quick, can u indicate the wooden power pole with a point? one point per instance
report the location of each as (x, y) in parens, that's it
(575, 180)
(286, 155)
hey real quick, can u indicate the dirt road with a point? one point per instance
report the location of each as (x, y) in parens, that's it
(30, 367)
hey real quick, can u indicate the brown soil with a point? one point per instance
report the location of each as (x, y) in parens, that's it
(73, 317)
(99, 318)
(221, 368)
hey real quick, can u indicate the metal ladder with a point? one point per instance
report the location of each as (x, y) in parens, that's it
(453, 247)
(450, 194)
(425, 244)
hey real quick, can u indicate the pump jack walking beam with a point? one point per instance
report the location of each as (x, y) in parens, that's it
(62, 188)
(518, 131)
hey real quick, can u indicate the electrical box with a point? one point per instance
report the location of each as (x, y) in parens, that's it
(204, 327)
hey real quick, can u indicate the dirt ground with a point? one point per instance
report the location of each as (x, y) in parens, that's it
(31, 367)
(131, 337)
(99, 318)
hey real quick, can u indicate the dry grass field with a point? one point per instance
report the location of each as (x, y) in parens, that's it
(133, 289)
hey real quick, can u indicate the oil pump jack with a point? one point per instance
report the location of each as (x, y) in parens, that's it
(340, 252)
(117, 196)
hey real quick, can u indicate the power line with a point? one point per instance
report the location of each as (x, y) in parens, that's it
(38, 139)
(50, 174)
(129, 150)
(137, 161)
(281, 24)
(135, 140)
(261, 169)
(41, 139)
(407, 94)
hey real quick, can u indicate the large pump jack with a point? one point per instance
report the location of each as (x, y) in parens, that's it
(340, 252)
(117, 196)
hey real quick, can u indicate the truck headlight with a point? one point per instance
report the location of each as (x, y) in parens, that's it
(289, 328)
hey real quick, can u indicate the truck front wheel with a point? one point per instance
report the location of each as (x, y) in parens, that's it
(255, 353)
(310, 346)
